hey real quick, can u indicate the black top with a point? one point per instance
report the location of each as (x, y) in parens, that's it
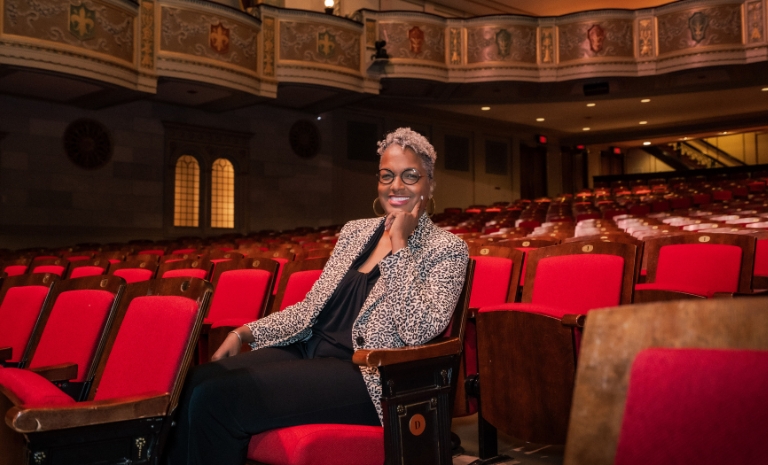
(332, 332)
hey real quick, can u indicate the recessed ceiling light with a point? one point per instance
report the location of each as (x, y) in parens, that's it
(319, 118)
(585, 129)
(724, 133)
(643, 122)
(591, 104)
(647, 143)
(539, 119)
(765, 89)
(485, 108)
(645, 100)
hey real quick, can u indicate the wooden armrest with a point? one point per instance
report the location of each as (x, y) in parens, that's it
(659, 295)
(37, 419)
(57, 373)
(574, 321)
(6, 353)
(382, 357)
(731, 295)
(472, 312)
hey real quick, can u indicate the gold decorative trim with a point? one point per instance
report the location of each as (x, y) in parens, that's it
(268, 26)
(147, 34)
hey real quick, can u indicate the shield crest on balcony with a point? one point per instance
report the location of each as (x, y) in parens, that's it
(326, 44)
(219, 38)
(82, 22)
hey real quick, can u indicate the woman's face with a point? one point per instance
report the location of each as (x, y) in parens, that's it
(398, 195)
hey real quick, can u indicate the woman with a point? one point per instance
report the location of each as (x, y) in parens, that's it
(391, 281)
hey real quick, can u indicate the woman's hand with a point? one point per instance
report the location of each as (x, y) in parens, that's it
(401, 224)
(231, 345)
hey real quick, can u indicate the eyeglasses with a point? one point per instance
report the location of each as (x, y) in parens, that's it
(409, 176)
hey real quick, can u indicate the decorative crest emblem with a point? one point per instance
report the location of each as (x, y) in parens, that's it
(698, 23)
(596, 36)
(503, 42)
(219, 38)
(82, 22)
(326, 44)
(416, 39)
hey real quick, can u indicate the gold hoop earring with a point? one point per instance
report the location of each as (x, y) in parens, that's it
(434, 207)
(383, 213)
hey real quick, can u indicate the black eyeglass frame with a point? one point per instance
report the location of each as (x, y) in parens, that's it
(409, 170)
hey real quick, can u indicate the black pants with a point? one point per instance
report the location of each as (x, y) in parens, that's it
(224, 403)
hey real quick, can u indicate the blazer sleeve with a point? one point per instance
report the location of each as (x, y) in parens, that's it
(294, 323)
(423, 294)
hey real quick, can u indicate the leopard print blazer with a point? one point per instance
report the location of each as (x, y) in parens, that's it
(410, 304)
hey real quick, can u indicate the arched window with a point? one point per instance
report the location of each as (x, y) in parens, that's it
(186, 198)
(222, 194)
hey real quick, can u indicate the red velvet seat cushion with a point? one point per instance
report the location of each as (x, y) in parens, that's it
(18, 314)
(149, 347)
(73, 330)
(133, 275)
(695, 406)
(58, 270)
(699, 268)
(32, 389)
(15, 270)
(298, 286)
(319, 445)
(490, 284)
(578, 283)
(186, 273)
(239, 295)
(82, 271)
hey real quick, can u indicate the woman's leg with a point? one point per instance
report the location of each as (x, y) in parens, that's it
(226, 409)
(176, 450)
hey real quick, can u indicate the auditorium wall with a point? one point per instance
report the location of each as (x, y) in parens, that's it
(46, 200)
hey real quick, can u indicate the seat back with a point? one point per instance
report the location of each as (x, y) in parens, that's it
(150, 344)
(695, 406)
(297, 279)
(580, 276)
(497, 274)
(242, 289)
(15, 267)
(92, 267)
(133, 271)
(73, 324)
(22, 299)
(55, 265)
(191, 267)
(614, 338)
(701, 263)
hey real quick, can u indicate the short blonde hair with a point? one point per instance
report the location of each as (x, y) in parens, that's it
(408, 138)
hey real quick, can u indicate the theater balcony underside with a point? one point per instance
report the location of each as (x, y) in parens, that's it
(201, 54)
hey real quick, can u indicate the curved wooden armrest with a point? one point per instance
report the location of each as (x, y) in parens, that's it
(574, 321)
(37, 419)
(731, 295)
(6, 353)
(57, 373)
(660, 295)
(383, 357)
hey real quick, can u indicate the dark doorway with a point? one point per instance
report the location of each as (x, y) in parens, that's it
(533, 172)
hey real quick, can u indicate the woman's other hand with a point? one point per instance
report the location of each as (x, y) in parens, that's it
(232, 344)
(401, 224)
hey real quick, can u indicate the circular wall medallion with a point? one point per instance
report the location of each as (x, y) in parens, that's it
(87, 144)
(305, 139)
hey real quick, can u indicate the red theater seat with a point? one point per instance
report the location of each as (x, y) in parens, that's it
(134, 270)
(21, 301)
(695, 406)
(409, 372)
(134, 390)
(297, 279)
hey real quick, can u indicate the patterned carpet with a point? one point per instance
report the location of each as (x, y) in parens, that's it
(522, 453)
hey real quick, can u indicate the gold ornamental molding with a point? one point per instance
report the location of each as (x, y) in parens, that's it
(133, 43)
